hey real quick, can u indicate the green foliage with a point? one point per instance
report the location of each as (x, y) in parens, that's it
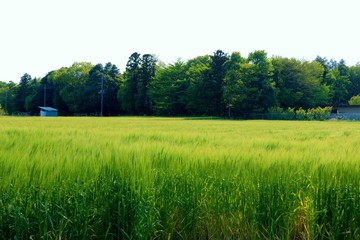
(22, 92)
(355, 100)
(354, 76)
(134, 91)
(206, 75)
(76, 89)
(197, 70)
(258, 87)
(299, 84)
(2, 111)
(339, 83)
(233, 90)
(215, 83)
(147, 178)
(318, 113)
(167, 90)
(108, 76)
(71, 81)
(128, 91)
(8, 95)
(301, 114)
(212, 85)
(147, 73)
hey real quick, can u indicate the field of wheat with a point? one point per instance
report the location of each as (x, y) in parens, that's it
(174, 178)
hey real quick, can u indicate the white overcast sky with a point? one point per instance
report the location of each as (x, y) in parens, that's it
(38, 36)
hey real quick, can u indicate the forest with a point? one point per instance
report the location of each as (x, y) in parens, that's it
(221, 84)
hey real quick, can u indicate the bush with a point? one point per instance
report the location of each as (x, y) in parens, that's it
(355, 100)
(318, 113)
(275, 110)
(300, 114)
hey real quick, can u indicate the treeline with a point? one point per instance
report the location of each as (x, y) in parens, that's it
(212, 85)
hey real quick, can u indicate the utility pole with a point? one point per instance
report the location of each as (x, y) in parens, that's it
(102, 95)
(45, 95)
(229, 110)
(6, 102)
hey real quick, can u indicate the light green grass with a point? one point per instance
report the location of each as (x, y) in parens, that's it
(167, 178)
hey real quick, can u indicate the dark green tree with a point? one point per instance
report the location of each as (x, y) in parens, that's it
(92, 96)
(52, 89)
(339, 83)
(195, 95)
(22, 92)
(4, 96)
(103, 84)
(258, 83)
(143, 104)
(70, 83)
(111, 87)
(233, 92)
(206, 76)
(167, 90)
(354, 76)
(30, 105)
(299, 84)
(326, 66)
(8, 95)
(215, 83)
(44, 95)
(128, 89)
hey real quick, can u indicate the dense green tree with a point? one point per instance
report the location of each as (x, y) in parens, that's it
(206, 76)
(49, 94)
(167, 90)
(3, 85)
(4, 93)
(195, 95)
(233, 89)
(339, 83)
(299, 84)
(258, 89)
(92, 95)
(111, 84)
(70, 83)
(8, 95)
(30, 105)
(343, 69)
(315, 93)
(143, 104)
(326, 66)
(128, 90)
(2, 111)
(215, 83)
(218, 85)
(22, 92)
(354, 76)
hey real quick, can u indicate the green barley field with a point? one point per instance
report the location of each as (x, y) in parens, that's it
(173, 178)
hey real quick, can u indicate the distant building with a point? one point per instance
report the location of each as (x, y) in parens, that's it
(352, 109)
(48, 112)
(351, 112)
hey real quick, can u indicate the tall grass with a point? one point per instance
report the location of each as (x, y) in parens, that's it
(162, 178)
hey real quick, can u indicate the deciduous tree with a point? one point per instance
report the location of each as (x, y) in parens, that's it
(167, 89)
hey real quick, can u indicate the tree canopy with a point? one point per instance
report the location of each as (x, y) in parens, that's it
(220, 84)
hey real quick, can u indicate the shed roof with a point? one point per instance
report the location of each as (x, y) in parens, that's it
(48, 109)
